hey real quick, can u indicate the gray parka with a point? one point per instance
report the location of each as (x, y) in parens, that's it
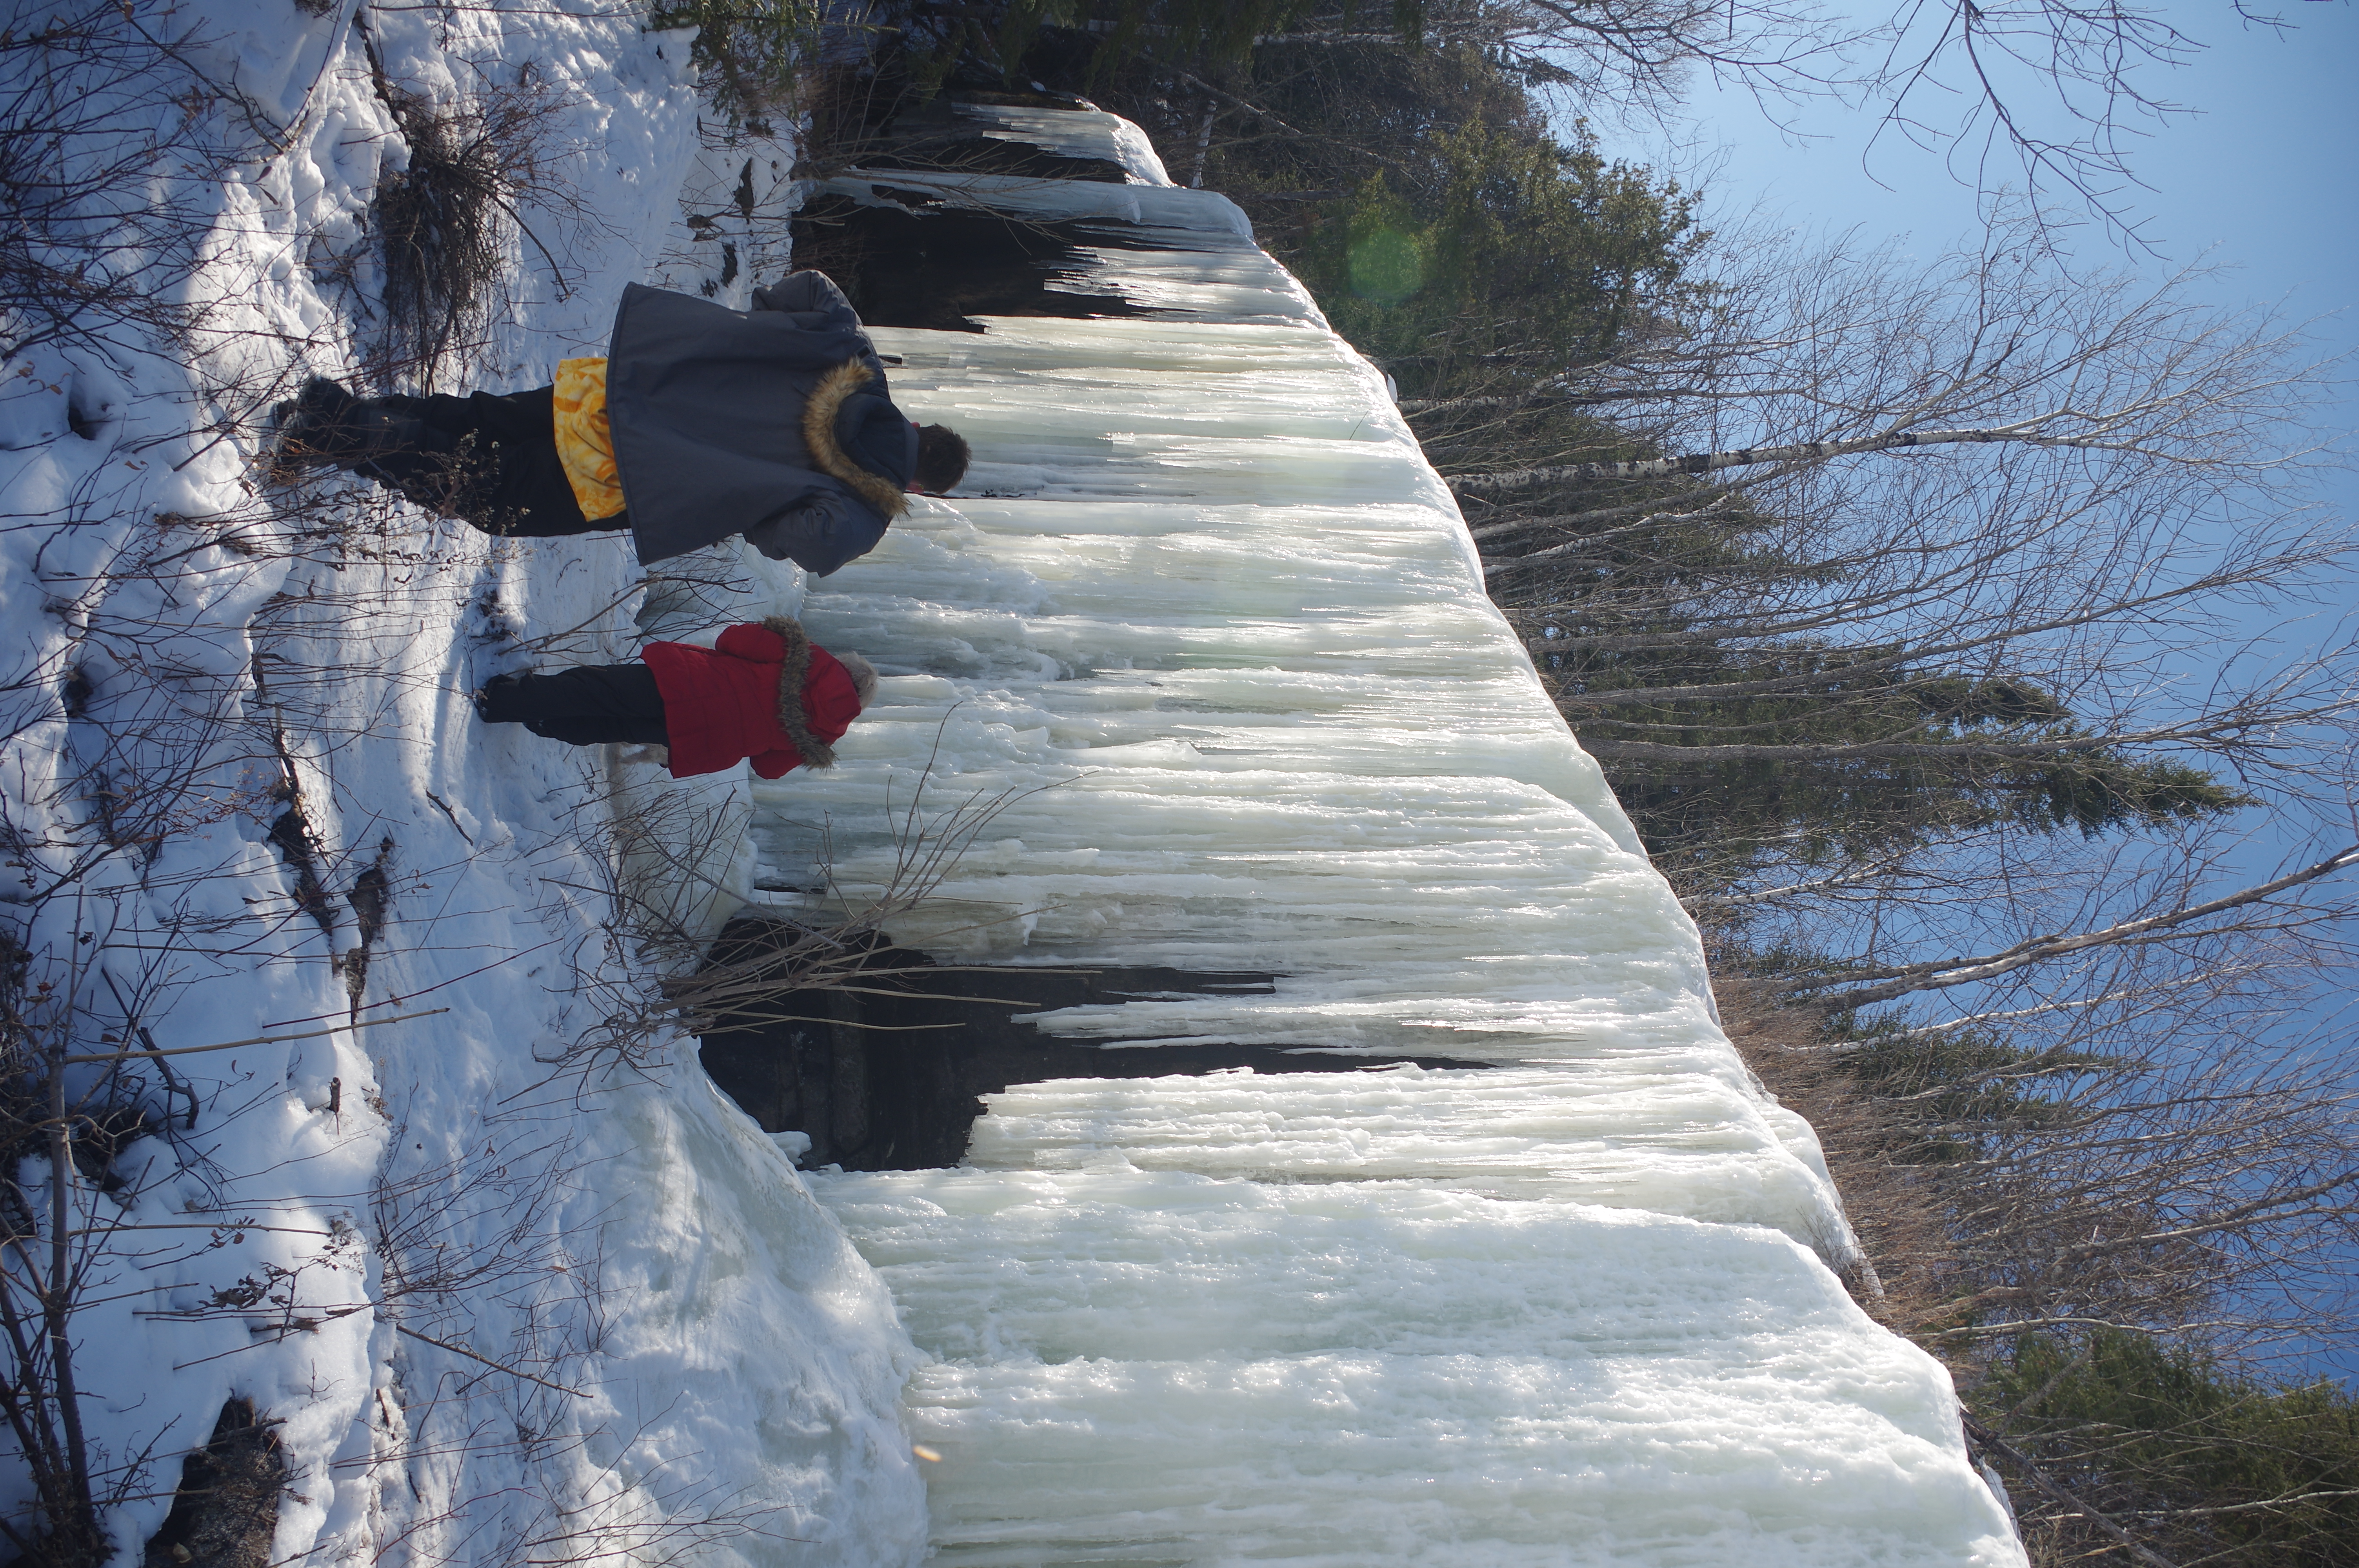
(773, 423)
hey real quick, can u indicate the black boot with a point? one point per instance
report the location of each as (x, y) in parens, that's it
(496, 700)
(310, 426)
(386, 440)
(590, 705)
(302, 428)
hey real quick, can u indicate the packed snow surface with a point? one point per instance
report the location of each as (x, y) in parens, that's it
(501, 1302)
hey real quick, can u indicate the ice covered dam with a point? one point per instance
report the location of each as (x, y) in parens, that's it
(1211, 625)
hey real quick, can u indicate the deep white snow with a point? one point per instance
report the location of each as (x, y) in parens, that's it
(1208, 604)
(717, 1368)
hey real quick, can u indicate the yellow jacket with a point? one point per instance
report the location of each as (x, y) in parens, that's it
(584, 443)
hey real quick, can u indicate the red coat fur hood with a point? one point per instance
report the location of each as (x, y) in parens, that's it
(765, 692)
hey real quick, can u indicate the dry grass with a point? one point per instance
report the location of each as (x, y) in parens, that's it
(1898, 1219)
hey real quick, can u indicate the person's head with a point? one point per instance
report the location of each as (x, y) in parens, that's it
(863, 677)
(942, 457)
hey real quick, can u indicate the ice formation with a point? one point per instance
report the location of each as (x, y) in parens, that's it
(1209, 600)
(1213, 635)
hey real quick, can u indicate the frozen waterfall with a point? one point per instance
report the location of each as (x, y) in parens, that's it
(1569, 1304)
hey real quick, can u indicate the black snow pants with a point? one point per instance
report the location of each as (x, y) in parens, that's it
(587, 706)
(488, 459)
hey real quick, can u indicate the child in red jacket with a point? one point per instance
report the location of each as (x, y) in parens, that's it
(763, 692)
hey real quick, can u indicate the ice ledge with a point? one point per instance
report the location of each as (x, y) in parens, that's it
(1214, 633)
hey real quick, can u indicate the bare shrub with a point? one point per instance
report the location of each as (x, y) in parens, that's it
(1896, 1222)
(61, 1128)
(772, 980)
(652, 852)
(444, 222)
(2007, 1182)
(91, 110)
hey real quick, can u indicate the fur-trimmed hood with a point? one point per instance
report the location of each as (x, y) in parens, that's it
(821, 413)
(763, 693)
(794, 717)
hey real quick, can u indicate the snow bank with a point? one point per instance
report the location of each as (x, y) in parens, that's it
(502, 1302)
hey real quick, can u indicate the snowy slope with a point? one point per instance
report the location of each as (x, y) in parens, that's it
(502, 1302)
(1218, 627)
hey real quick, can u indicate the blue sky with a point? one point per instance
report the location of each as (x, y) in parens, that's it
(2260, 180)
(2257, 180)
(2260, 175)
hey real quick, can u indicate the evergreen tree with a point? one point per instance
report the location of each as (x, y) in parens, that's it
(2202, 1464)
(1525, 261)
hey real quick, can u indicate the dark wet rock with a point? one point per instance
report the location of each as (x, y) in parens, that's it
(225, 1513)
(893, 1081)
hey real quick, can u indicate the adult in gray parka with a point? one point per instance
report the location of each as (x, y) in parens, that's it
(700, 422)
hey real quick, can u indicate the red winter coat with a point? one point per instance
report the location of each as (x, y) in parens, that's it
(765, 692)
